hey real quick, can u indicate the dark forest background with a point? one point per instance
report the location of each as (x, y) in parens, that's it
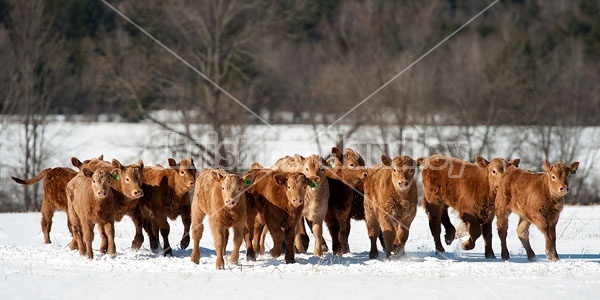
(521, 63)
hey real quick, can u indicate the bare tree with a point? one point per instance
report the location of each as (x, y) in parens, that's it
(35, 68)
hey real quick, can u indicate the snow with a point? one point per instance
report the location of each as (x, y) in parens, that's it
(30, 269)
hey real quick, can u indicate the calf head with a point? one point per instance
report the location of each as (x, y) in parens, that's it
(296, 185)
(558, 177)
(130, 178)
(353, 177)
(403, 171)
(186, 173)
(495, 169)
(349, 158)
(313, 168)
(101, 180)
(232, 187)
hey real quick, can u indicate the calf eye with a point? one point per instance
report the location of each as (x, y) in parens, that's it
(553, 177)
(181, 173)
(494, 172)
(127, 179)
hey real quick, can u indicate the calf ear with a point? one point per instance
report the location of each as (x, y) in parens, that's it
(101, 157)
(547, 167)
(324, 163)
(299, 158)
(172, 163)
(76, 162)
(280, 179)
(421, 161)
(386, 160)
(515, 162)
(191, 160)
(216, 175)
(337, 153)
(256, 165)
(481, 161)
(87, 172)
(140, 163)
(573, 167)
(117, 164)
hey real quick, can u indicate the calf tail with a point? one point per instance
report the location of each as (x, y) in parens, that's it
(32, 180)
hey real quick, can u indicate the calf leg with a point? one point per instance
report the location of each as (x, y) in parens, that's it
(186, 219)
(109, 231)
(151, 228)
(165, 229)
(88, 237)
(434, 213)
(487, 239)
(219, 241)
(474, 231)
(389, 233)
(334, 230)
(138, 239)
(103, 239)
(260, 234)
(47, 214)
(320, 246)
(550, 235)
(290, 234)
(373, 231)
(238, 236)
(301, 237)
(197, 230)
(523, 233)
(450, 230)
(278, 237)
(249, 236)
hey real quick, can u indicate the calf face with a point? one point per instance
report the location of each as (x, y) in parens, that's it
(558, 177)
(403, 171)
(186, 171)
(232, 187)
(296, 184)
(312, 167)
(131, 178)
(100, 181)
(495, 168)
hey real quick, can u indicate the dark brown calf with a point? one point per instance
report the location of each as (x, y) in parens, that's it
(537, 198)
(278, 197)
(468, 188)
(166, 196)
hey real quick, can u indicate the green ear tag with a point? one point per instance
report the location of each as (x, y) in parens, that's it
(313, 184)
(573, 171)
(116, 176)
(248, 182)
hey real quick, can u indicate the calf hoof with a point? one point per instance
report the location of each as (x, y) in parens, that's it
(290, 261)
(468, 245)
(73, 245)
(449, 238)
(373, 254)
(250, 257)
(113, 255)
(275, 252)
(220, 265)
(505, 255)
(136, 245)
(490, 255)
(168, 252)
(195, 257)
(103, 249)
(185, 242)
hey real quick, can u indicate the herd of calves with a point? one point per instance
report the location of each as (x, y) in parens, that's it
(277, 200)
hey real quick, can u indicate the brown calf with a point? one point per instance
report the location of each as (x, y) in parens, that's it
(468, 188)
(166, 196)
(342, 183)
(55, 183)
(391, 204)
(221, 196)
(91, 202)
(278, 197)
(315, 207)
(537, 198)
(127, 190)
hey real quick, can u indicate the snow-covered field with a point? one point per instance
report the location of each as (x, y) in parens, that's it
(30, 269)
